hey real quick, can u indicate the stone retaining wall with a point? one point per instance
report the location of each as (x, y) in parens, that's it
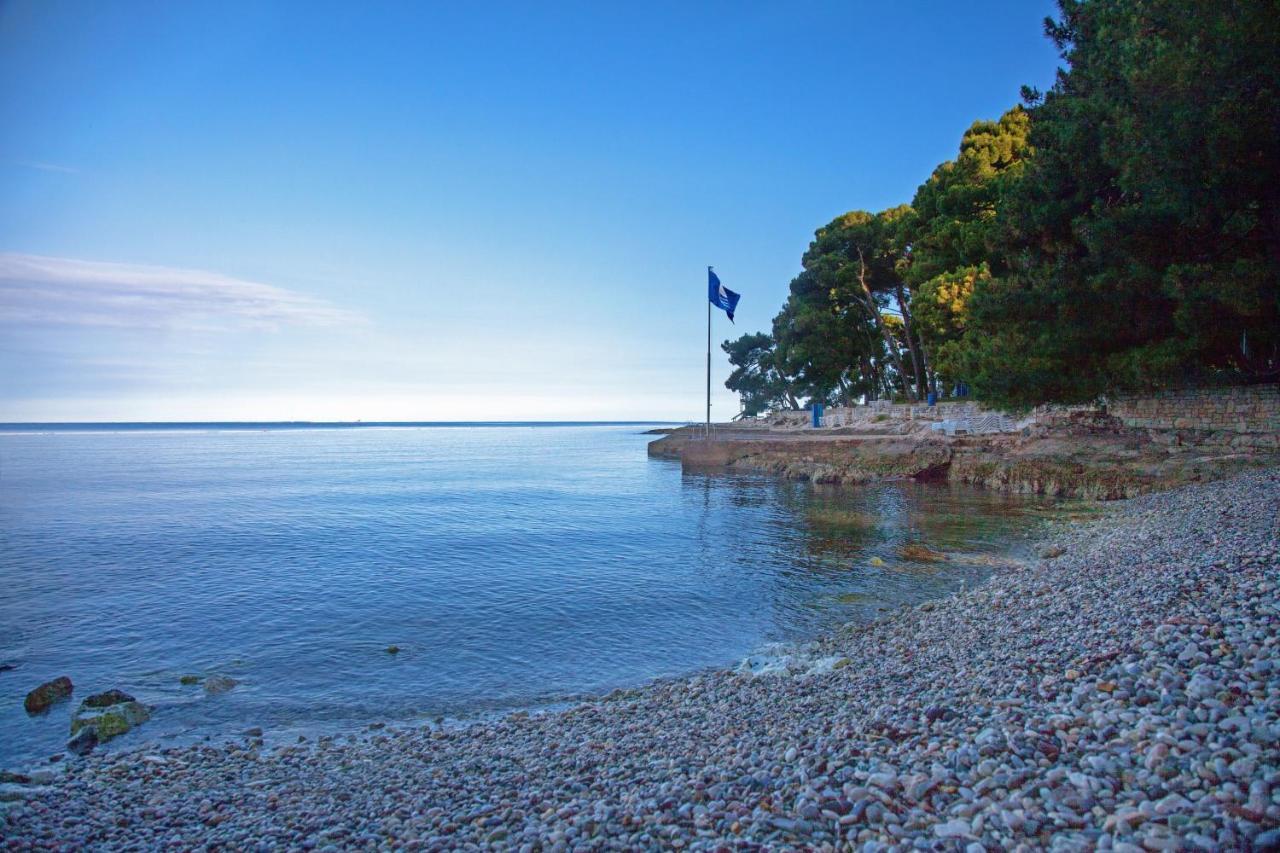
(1245, 409)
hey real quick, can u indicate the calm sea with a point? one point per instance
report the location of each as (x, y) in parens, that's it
(513, 565)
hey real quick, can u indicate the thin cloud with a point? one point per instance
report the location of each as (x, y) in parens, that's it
(46, 167)
(45, 291)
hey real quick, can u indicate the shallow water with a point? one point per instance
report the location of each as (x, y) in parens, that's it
(512, 566)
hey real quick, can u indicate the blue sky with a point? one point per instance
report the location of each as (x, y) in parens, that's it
(254, 210)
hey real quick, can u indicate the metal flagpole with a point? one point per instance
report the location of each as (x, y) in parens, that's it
(708, 357)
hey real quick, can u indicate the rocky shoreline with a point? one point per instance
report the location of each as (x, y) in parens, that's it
(1123, 695)
(1092, 458)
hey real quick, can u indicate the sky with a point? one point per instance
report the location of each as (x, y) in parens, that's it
(447, 211)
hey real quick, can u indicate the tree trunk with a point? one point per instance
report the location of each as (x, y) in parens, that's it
(884, 330)
(884, 383)
(929, 375)
(854, 370)
(917, 359)
(788, 391)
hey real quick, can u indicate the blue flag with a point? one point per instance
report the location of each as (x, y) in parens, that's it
(721, 296)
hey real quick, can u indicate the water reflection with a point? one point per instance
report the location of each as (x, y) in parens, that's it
(845, 553)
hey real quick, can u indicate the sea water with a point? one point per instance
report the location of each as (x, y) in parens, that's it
(511, 565)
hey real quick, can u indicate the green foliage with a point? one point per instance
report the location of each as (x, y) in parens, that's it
(852, 271)
(1122, 232)
(1143, 242)
(756, 377)
(955, 210)
(953, 228)
(814, 340)
(942, 309)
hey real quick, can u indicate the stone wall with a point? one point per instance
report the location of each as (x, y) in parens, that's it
(1245, 409)
(882, 410)
(1246, 416)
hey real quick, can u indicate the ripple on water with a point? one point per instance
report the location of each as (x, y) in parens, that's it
(511, 566)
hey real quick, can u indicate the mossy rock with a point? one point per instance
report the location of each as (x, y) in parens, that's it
(189, 679)
(46, 694)
(112, 720)
(111, 725)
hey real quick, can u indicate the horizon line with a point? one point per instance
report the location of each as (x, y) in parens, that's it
(4, 424)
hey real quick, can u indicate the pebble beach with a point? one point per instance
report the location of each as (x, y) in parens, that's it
(1120, 692)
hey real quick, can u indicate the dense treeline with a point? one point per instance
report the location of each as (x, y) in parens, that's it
(1120, 231)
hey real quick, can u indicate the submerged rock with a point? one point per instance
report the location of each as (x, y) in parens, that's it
(84, 741)
(189, 679)
(219, 684)
(109, 714)
(46, 694)
(103, 700)
(393, 650)
(921, 553)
